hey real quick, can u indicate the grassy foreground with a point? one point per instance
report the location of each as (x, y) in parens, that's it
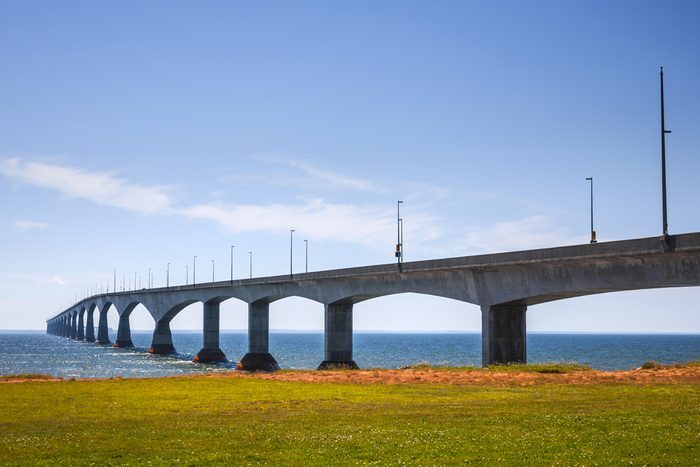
(246, 420)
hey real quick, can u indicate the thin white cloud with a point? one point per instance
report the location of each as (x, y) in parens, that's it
(98, 187)
(365, 224)
(333, 178)
(29, 225)
(531, 232)
(315, 219)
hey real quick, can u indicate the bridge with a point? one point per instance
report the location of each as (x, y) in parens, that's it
(502, 284)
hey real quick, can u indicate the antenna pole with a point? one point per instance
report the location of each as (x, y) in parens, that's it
(663, 157)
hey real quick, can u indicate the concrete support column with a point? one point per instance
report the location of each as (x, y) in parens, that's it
(162, 343)
(210, 352)
(102, 328)
(81, 327)
(258, 357)
(73, 326)
(503, 338)
(123, 332)
(338, 337)
(90, 327)
(65, 329)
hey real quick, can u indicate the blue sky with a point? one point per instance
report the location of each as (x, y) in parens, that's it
(135, 134)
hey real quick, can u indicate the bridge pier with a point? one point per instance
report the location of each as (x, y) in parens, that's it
(73, 326)
(258, 357)
(123, 332)
(503, 338)
(90, 326)
(162, 343)
(338, 337)
(81, 326)
(102, 328)
(210, 352)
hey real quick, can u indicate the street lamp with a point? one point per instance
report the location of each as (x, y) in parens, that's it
(187, 275)
(212, 270)
(663, 158)
(167, 276)
(250, 253)
(593, 239)
(232, 247)
(306, 254)
(194, 270)
(399, 246)
(149, 278)
(291, 249)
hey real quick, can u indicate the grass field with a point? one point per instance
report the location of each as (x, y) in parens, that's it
(249, 420)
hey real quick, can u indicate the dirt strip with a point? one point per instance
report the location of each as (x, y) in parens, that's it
(673, 375)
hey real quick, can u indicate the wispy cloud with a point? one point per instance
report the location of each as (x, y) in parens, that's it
(360, 223)
(29, 225)
(333, 178)
(316, 219)
(536, 231)
(98, 187)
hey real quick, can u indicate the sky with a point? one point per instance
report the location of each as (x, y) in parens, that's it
(137, 134)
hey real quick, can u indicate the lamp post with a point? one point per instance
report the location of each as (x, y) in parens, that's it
(149, 278)
(167, 276)
(114, 285)
(663, 158)
(187, 275)
(250, 253)
(399, 246)
(194, 270)
(291, 251)
(306, 254)
(593, 239)
(232, 247)
(212, 270)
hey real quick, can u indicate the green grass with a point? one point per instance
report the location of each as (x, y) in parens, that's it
(252, 421)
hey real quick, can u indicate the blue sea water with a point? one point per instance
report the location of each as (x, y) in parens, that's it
(40, 353)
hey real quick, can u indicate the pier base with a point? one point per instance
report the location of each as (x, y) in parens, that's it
(261, 361)
(162, 343)
(338, 338)
(503, 338)
(123, 333)
(211, 352)
(210, 356)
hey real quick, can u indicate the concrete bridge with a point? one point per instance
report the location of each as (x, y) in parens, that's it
(502, 284)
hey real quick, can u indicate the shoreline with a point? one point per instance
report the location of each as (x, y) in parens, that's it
(518, 375)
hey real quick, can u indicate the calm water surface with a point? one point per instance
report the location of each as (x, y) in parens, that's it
(40, 353)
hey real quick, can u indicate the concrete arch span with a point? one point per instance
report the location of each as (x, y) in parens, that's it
(502, 284)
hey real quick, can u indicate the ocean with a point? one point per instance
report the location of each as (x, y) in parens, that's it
(40, 353)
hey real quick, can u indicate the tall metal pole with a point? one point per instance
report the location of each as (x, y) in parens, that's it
(167, 276)
(114, 287)
(401, 224)
(212, 270)
(232, 247)
(398, 232)
(250, 253)
(291, 252)
(149, 278)
(194, 270)
(306, 254)
(593, 239)
(187, 275)
(663, 157)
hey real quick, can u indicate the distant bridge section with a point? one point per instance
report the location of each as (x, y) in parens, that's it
(502, 284)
